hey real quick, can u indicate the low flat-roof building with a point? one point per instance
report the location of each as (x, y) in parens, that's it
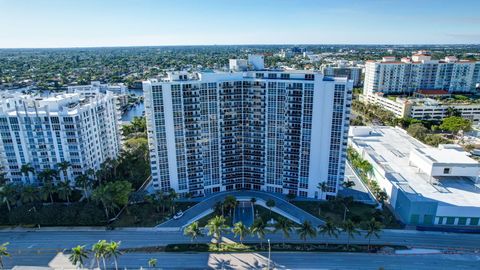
(425, 185)
(424, 108)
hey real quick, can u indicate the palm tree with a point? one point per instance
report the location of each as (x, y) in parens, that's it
(284, 225)
(65, 190)
(3, 253)
(83, 182)
(270, 204)
(349, 228)
(29, 194)
(99, 250)
(259, 228)
(112, 249)
(322, 187)
(193, 231)
(348, 184)
(8, 195)
(152, 262)
(373, 229)
(26, 169)
(101, 195)
(79, 254)
(306, 230)
(216, 227)
(172, 196)
(47, 175)
(240, 230)
(328, 228)
(218, 208)
(230, 202)
(3, 179)
(63, 167)
(47, 191)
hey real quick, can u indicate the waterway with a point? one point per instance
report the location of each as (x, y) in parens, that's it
(136, 110)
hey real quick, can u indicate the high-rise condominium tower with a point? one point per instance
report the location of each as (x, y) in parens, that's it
(42, 131)
(420, 72)
(250, 128)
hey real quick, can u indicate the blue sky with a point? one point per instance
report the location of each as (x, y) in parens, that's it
(87, 23)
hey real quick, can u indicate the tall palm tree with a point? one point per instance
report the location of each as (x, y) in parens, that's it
(172, 197)
(26, 169)
(216, 227)
(65, 190)
(373, 229)
(3, 179)
(306, 230)
(79, 254)
(113, 250)
(229, 203)
(91, 174)
(328, 228)
(99, 250)
(193, 231)
(47, 175)
(349, 228)
(8, 195)
(101, 195)
(63, 167)
(259, 228)
(285, 226)
(29, 194)
(323, 188)
(83, 182)
(240, 230)
(270, 204)
(47, 191)
(3, 253)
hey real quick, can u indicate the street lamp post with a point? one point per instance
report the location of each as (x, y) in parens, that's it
(268, 262)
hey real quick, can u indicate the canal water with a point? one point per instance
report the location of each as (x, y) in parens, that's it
(136, 110)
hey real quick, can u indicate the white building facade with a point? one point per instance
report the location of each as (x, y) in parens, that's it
(44, 131)
(423, 108)
(426, 186)
(408, 75)
(277, 131)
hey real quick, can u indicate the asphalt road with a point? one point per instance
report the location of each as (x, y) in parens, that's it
(281, 260)
(56, 240)
(59, 240)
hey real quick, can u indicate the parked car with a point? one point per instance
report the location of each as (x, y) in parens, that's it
(178, 215)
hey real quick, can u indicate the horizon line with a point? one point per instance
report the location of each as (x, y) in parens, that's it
(243, 44)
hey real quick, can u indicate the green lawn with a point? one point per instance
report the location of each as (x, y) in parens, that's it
(358, 212)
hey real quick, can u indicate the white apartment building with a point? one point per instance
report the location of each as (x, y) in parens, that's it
(45, 130)
(425, 185)
(273, 130)
(423, 108)
(408, 75)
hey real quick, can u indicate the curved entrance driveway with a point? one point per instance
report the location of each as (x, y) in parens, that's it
(205, 207)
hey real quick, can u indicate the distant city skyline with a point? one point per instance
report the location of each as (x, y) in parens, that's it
(89, 23)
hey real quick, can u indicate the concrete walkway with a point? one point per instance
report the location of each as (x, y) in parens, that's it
(359, 192)
(205, 207)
